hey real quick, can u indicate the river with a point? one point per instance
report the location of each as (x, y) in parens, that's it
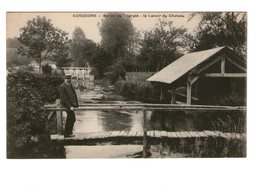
(98, 121)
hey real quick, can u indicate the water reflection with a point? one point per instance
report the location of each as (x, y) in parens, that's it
(97, 121)
(172, 121)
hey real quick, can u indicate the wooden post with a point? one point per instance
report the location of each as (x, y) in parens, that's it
(223, 65)
(173, 95)
(188, 91)
(145, 135)
(59, 118)
(47, 124)
(161, 93)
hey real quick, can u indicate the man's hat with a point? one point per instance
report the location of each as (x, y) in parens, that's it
(67, 76)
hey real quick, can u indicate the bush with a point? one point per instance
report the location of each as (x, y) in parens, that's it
(139, 91)
(26, 95)
(116, 72)
(46, 69)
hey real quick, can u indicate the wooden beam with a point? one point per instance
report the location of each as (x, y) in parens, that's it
(230, 75)
(59, 117)
(50, 115)
(194, 79)
(173, 95)
(211, 63)
(234, 63)
(223, 65)
(188, 101)
(145, 145)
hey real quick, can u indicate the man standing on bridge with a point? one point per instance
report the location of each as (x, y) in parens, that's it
(69, 100)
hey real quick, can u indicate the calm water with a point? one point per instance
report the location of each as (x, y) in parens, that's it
(98, 121)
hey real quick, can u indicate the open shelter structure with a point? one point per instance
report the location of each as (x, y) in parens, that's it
(199, 77)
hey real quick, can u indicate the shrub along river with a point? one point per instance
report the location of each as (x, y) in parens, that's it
(97, 121)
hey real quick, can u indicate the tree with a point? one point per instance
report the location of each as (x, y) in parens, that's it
(160, 46)
(101, 60)
(82, 49)
(61, 56)
(14, 59)
(12, 43)
(220, 29)
(117, 34)
(39, 38)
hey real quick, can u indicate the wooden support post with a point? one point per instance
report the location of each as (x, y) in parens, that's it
(223, 65)
(161, 93)
(145, 135)
(188, 91)
(59, 118)
(47, 124)
(173, 95)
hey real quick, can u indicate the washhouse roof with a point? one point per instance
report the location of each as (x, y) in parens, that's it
(183, 65)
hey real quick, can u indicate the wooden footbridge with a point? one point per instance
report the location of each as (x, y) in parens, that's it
(145, 135)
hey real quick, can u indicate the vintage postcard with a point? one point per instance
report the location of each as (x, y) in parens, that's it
(126, 84)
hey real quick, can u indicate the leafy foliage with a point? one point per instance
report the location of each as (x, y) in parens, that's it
(61, 56)
(117, 34)
(26, 95)
(220, 29)
(39, 38)
(46, 69)
(160, 46)
(82, 49)
(14, 59)
(119, 45)
(139, 91)
(12, 43)
(101, 60)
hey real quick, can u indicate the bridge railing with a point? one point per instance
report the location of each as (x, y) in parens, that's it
(56, 108)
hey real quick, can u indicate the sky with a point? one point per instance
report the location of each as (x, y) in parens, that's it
(89, 21)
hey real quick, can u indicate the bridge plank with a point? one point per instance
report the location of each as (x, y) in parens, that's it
(113, 134)
(108, 134)
(100, 135)
(140, 134)
(121, 133)
(156, 134)
(125, 133)
(132, 134)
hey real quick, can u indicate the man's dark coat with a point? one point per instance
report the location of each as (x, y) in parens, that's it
(68, 96)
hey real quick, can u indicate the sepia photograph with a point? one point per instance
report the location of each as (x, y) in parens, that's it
(148, 85)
